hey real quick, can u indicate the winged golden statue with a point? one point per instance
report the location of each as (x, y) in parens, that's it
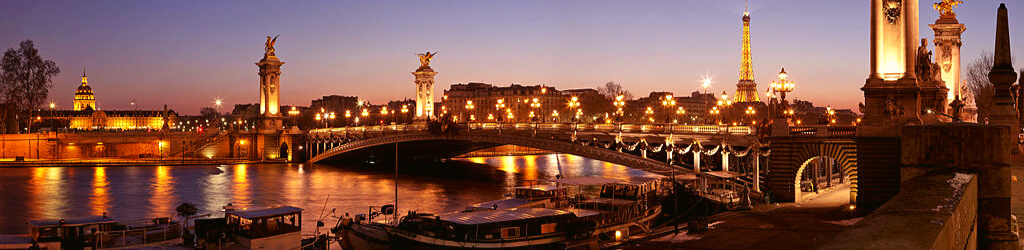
(425, 59)
(945, 7)
(270, 45)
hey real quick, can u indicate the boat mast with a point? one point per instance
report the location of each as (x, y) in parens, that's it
(396, 185)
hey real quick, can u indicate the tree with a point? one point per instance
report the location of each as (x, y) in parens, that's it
(976, 80)
(209, 113)
(26, 77)
(186, 210)
(612, 89)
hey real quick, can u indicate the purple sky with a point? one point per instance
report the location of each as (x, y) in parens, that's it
(187, 53)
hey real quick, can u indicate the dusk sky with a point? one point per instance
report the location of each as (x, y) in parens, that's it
(187, 53)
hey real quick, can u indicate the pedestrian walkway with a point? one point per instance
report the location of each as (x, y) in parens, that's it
(771, 226)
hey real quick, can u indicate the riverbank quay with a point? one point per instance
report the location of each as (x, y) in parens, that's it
(766, 226)
(116, 162)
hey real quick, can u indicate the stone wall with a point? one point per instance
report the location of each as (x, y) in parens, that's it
(933, 211)
(84, 145)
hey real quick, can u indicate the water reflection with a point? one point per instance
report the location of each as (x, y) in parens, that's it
(162, 200)
(100, 199)
(130, 193)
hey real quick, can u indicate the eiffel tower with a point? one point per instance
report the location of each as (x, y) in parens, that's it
(746, 89)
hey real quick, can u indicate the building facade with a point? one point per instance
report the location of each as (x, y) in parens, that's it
(516, 103)
(85, 115)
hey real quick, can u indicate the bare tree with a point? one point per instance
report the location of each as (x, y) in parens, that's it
(976, 80)
(27, 78)
(612, 89)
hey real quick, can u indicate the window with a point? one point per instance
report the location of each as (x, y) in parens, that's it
(547, 228)
(509, 232)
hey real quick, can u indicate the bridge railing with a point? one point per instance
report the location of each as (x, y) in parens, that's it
(580, 127)
(823, 131)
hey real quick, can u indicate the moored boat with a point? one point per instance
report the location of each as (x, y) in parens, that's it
(516, 228)
(96, 232)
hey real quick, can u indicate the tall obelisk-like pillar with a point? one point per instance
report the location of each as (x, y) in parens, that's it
(269, 127)
(947, 48)
(425, 88)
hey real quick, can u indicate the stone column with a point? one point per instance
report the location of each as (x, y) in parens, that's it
(696, 160)
(270, 92)
(424, 93)
(968, 148)
(910, 31)
(725, 160)
(947, 52)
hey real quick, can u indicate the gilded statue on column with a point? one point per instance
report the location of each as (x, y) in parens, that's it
(425, 59)
(270, 46)
(945, 7)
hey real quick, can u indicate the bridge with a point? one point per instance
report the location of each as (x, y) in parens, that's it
(783, 162)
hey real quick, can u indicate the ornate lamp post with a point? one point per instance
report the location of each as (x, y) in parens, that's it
(706, 83)
(725, 103)
(750, 114)
(498, 105)
(534, 105)
(619, 102)
(405, 110)
(574, 104)
(330, 117)
(348, 115)
(365, 114)
(469, 108)
(782, 86)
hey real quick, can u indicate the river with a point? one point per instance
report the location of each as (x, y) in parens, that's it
(133, 193)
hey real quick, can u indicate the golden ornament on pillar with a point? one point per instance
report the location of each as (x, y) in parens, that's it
(945, 7)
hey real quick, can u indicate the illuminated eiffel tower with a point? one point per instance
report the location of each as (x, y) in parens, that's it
(746, 89)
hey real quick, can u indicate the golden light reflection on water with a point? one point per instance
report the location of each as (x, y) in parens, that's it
(46, 188)
(240, 187)
(530, 168)
(99, 202)
(162, 200)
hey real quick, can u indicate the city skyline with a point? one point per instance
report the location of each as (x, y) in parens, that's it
(145, 52)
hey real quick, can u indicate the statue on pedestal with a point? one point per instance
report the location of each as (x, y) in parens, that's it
(945, 8)
(270, 46)
(425, 59)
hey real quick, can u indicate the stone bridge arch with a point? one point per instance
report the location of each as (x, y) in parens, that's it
(553, 145)
(790, 155)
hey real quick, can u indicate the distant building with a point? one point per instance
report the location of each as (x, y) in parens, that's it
(84, 98)
(335, 103)
(86, 116)
(479, 102)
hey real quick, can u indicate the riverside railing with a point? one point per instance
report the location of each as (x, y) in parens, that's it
(566, 127)
(139, 236)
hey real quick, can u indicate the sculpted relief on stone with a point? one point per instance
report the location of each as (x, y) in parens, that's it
(891, 9)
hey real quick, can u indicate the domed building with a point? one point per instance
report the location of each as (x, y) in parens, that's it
(85, 115)
(84, 99)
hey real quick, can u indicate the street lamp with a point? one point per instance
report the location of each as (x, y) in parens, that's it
(365, 114)
(405, 109)
(348, 114)
(619, 102)
(750, 113)
(498, 105)
(706, 83)
(725, 103)
(782, 86)
(470, 107)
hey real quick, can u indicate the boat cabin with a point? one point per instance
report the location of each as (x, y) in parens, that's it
(274, 228)
(69, 232)
(724, 187)
(496, 225)
(538, 196)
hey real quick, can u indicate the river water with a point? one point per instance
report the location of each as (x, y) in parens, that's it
(133, 193)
